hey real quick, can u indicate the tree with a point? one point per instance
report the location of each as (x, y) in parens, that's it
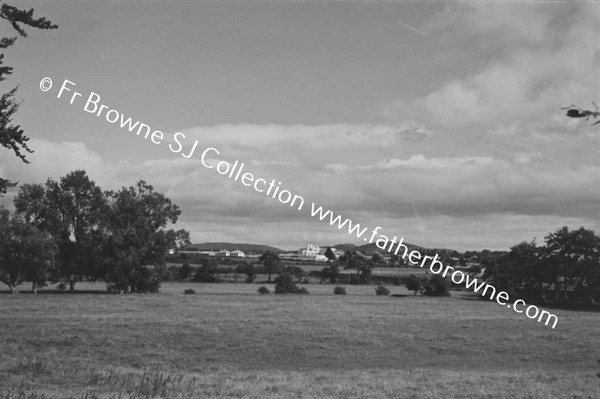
(435, 286)
(13, 137)
(576, 255)
(296, 271)
(334, 273)
(25, 252)
(414, 284)
(136, 238)
(249, 270)
(377, 259)
(72, 211)
(271, 263)
(330, 255)
(284, 284)
(362, 265)
(519, 268)
(185, 272)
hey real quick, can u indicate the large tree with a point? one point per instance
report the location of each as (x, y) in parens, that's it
(72, 210)
(12, 136)
(519, 268)
(26, 253)
(576, 254)
(137, 238)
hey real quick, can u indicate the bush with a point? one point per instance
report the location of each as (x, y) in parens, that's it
(435, 286)
(143, 280)
(189, 291)
(263, 290)
(414, 284)
(185, 272)
(284, 284)
(381, 290)
(339, 290)
(61, 287)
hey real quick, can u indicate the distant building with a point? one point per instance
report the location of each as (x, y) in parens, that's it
(223, 252)
(311, 250)
(237, 254)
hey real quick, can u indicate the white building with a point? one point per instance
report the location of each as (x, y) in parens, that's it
(237, 254)
(311, 250)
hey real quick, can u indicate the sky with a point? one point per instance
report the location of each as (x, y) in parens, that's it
(439, 121)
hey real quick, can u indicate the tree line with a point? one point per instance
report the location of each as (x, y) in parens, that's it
(565, 269)
(71, 230)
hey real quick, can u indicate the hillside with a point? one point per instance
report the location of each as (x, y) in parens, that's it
(215, 246)
(372, 247)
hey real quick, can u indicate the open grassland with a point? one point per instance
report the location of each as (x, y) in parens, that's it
(227, 341)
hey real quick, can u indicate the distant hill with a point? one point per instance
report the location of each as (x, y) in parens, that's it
(368, 249)
(342, 247)
(230, 246)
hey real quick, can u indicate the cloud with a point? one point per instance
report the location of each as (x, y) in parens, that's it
(542, 57)
(484, 159)
(51, 159)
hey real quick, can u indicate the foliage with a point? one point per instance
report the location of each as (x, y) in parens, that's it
(185, 272)
(381, 290)
(414, 284)
(569, 262)
(329, 254)
(271, 262)
(138, 216)
(249, 270)
(377, 259)
(339, 290)
(206, 273)
(25, 252)
(435, 286)
(12, 137)
(263, 290)
(296, 271)
(359, 262)
(284, 284)
(72, 211)
(189, 291)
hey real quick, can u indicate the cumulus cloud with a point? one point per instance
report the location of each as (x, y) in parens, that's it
(544, 57)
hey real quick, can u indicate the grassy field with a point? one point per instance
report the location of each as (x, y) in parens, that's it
(227, 341)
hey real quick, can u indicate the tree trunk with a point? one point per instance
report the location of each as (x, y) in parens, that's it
(34, 288)
(71, 286)
(13, 289)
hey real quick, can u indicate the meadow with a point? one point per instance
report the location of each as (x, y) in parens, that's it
(227, 341)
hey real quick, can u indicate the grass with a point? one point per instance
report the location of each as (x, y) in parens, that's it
(227, 341)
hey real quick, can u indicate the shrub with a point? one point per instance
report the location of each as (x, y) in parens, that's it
(414, 284)
(284, 284)
(189, 291)
(61, 286)
(263, 290)
(206, 274)
(435, 286)
(185, 272)
(381, 290)
(339, 290)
